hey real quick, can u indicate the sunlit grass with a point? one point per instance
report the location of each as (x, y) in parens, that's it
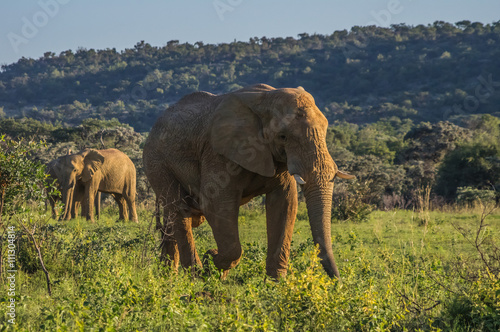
(396, 274)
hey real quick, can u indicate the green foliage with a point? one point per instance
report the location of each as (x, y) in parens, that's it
(21, 179)
(26, 127)
(348, 204)
(395, 276)
(473, 164)
(468, 195)
(362, 75)
(478, 307)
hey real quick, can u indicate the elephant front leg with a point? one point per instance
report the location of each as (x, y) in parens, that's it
(281, 210)
(224, 223)
(90, 194)
(98, 205)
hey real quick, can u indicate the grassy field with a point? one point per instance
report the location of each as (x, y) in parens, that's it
(401, 271)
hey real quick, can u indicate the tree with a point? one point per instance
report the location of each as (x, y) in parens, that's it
(21, 178)
(425, 147)
(23, 188)
(473, 164)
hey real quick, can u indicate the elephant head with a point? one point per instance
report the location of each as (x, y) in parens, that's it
(73, 171)
(261, 127)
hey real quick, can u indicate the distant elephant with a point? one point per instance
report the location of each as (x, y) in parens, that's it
(208, 154)
(77, 199)
(109, 171)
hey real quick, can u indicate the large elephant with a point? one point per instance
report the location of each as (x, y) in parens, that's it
(77, 198)
(109, 171)
(208, 154)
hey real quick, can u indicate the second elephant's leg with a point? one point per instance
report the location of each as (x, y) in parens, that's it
(53, 201)
(281, 210)
(76, 208)
(90, 193)
(98, 205)
(131, 207)
(122, 206)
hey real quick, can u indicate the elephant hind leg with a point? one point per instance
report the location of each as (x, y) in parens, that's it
(122, 206)
(131, 208)
(169, 249)
(178, 241)
(185, 241)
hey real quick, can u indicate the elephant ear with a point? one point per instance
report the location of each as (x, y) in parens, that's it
(92, 163)
(236, 133)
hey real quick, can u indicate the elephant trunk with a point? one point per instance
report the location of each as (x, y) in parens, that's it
(319, 205)
(68, 202)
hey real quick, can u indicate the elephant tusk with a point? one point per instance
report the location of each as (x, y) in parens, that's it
(344, 175)
(299, 179)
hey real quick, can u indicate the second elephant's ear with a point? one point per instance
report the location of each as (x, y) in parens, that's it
(236, 133)
(92, 163)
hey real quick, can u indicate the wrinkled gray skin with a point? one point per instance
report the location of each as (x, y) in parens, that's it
(208, 154)
(78, 196)
(109, 171)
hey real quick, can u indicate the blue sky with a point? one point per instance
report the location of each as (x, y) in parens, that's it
(31, 27)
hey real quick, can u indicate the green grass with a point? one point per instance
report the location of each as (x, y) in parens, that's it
(396, 275)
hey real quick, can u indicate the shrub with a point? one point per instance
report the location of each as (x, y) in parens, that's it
(471, 196)
(348, 204)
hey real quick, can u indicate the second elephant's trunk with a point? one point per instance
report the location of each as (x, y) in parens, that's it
(68, 203)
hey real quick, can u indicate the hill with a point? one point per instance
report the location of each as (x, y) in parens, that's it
(423, 73)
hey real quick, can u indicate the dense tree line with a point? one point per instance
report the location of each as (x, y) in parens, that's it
(424, 73)
(393, 159)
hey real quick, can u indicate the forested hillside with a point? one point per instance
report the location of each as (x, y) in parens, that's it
(424, 73)
(409, 107)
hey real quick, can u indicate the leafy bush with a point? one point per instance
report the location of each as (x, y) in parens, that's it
(476, 308)
(348, 203)
(471, 196)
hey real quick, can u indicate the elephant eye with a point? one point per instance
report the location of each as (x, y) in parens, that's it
(283, 138)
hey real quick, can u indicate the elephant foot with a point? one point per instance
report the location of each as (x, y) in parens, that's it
(208, 268)
(276, 271)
